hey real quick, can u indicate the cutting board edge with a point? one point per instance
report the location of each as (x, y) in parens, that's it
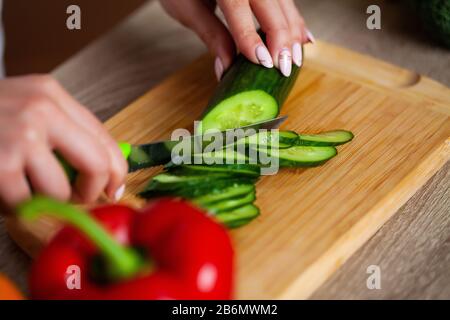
(304, 286)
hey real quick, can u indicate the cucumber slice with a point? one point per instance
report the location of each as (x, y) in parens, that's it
(288, 137)
(285, 139)
(239, 216)
(222, 194)
(303, 156)
(240, 110)
(166, 182)
(167, 178)
(225, 156)
(231, 169)
(329, 138)
(192, 190)
(230, 204)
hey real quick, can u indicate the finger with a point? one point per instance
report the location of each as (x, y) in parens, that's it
(298, 30)
(199, 17)
(14, 188)
(45, 173)
(240, 21)
(86, 120)
(84, 153)
(274, 24)
(295, 21)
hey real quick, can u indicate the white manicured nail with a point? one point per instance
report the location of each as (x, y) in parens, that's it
(119, 193)
(218, 67)
(297, 55)
(310, 36)
(285, 62)
(264, 57)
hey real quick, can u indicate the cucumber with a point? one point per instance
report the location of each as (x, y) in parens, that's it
(288, 137)
(166, 178)
(222, 194)
(248, 93)
(193, 189)
(239, 216)
(329, 138)
(303, 156)
(225, 156)
(230, 204)
(285, 139)
(164, 182)
(230, 169)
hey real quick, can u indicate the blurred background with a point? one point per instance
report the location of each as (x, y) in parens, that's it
(38, 41)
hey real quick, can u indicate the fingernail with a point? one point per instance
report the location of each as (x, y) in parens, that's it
(264, 57)
(310, 37)
(297, 55)
(285, 62)
(119, 193)
(218, 67)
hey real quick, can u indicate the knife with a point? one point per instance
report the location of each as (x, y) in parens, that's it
(159, 153)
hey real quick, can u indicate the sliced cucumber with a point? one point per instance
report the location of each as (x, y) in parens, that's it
(303, 156)
(192, 190)
(279, 139)
(223, 194)
(239, 216)
(329, 138)
(240, 110)
(225, 156)
(167, 178)
(229, 204)
(248, 93)
(231, 169)
(165, 182)
(288, 137)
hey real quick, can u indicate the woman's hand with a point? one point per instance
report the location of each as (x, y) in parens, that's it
(38, 117)
(279, 19)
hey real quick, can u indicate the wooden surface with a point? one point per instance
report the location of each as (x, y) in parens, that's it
(139, 64)
(418, 235)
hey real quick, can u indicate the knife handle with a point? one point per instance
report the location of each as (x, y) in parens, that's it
(72, 172)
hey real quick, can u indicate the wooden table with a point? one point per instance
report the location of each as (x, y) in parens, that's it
(412, 249)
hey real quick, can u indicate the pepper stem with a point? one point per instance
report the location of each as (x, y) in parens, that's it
(123, 262)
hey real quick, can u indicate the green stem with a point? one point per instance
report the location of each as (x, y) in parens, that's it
(123, 262)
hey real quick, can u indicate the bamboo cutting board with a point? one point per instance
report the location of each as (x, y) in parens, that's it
(311, 220)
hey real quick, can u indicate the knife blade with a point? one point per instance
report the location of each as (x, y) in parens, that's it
(159, 152)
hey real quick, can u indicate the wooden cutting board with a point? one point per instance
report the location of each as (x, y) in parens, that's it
(312, 220)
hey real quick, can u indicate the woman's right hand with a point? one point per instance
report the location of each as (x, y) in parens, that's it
(37, 118)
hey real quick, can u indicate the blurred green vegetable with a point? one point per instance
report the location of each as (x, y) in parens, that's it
(435, 15)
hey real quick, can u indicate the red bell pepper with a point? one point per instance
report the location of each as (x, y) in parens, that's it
(169, 250)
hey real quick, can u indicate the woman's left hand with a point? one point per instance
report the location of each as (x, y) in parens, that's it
(280, 20)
